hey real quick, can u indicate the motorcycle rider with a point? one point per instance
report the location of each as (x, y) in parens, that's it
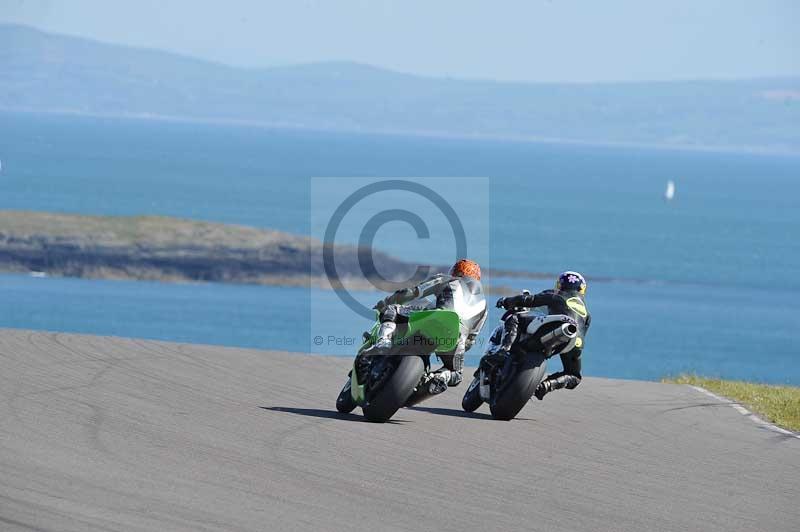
(460, 291)
(567, 298)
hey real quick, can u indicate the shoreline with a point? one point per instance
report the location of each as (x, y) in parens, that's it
(158, 248)
(177, 250)
(320, 282)
(422, 134)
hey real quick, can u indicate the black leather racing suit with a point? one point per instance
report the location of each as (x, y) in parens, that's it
(571, 304)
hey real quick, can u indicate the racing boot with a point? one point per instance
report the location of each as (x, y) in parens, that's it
(438, 382)
(435, 383)
(544, 387)
(443, 378)
(556, 381)
(430, 385)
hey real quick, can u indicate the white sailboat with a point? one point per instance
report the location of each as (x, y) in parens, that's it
(670, 192)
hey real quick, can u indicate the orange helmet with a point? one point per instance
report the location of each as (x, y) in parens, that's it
(466, 268)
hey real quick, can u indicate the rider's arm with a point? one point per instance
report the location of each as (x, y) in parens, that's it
(401, 296)
(529, 301)
(430, 286)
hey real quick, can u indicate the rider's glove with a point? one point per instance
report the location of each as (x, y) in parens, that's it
(380, 305)
(400, 296)
(501, 303)
(404, 294)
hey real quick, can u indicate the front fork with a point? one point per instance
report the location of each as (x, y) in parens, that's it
(356, 387)
(494, 377)
(360, 373)
(484, 388)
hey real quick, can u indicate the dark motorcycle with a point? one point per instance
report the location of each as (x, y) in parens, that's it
(506, 383)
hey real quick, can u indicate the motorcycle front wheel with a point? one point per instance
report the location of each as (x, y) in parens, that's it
(396, 390)
(345, 402)
(472, 397)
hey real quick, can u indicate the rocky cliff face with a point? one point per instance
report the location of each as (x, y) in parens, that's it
(154, 247)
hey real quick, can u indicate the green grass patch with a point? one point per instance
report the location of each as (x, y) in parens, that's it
(778, 404)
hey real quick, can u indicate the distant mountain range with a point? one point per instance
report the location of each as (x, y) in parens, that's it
(43, 72)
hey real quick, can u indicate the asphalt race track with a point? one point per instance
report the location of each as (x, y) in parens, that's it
(118, 434)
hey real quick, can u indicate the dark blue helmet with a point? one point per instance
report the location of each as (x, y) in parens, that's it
(571, 282)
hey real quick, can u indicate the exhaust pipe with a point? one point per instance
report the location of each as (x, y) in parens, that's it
(560, 335)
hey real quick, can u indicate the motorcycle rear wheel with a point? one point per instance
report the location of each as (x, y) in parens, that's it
(516, 393)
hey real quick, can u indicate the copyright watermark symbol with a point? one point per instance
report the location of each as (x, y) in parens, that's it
(380, 235)
(366, 239)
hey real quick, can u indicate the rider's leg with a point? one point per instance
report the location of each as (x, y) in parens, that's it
(510, 333)
(570, 378)
(452, 370)
(388, 317)
(385, 334)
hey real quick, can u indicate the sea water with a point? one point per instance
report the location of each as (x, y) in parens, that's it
(707, 282)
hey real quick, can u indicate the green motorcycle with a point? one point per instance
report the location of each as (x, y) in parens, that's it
(381, 383)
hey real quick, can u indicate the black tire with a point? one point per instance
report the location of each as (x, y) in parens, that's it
(472, 397)
(345, 403)
(516, 393)
(396, 391)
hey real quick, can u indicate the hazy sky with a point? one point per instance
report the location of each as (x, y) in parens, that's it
(559, 40)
